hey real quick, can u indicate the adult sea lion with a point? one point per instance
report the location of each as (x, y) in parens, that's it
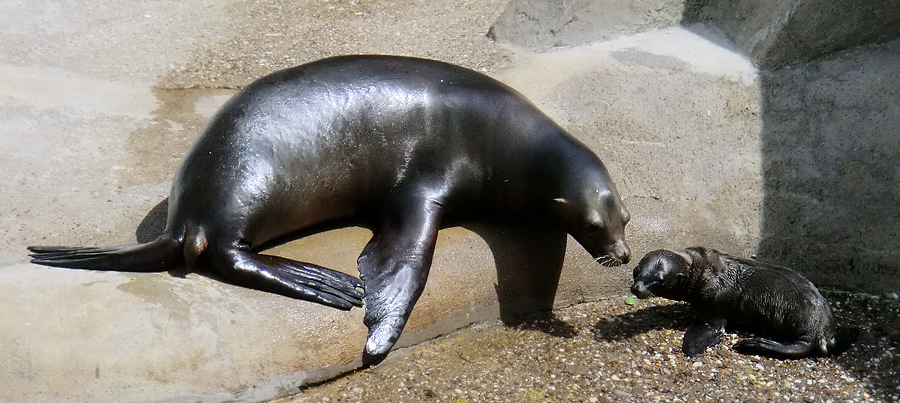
(763, 299)
(396, 144)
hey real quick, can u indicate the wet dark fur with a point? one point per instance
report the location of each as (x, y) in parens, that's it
(395, 144)
(784, 310)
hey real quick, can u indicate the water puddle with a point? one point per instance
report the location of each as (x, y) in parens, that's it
(156, 149)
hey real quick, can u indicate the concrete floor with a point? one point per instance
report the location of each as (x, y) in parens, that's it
(99, 100)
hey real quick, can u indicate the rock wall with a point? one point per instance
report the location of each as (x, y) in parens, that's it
(831, 151)
(560, 23)
(778, 33)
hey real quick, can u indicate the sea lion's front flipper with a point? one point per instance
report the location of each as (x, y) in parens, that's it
(394, 266)
(704, 333)
(289, 278)
(771, 348)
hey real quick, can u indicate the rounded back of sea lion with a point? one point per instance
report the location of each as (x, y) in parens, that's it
(773, 300)
(395, 142)
(332, 139)
(783, 309)
(323, 140)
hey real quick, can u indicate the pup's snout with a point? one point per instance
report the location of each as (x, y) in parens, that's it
(639, 289)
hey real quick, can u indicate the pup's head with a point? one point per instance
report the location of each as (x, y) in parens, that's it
(662, 273)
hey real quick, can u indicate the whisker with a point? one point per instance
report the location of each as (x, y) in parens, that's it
(597, 259)
(607, 261)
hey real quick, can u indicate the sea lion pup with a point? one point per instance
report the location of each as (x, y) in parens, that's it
(394, 144)
(763, 299)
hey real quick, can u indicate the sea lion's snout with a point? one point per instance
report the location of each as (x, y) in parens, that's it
(616, 254)
(621, 252)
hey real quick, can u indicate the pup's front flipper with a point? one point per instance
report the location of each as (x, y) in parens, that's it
(704, 333)
(394, 267)
(771, 348)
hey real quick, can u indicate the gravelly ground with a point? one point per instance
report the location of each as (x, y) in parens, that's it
(608, 351)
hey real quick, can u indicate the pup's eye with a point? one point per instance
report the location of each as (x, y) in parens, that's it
(593, 228)
(660, 271)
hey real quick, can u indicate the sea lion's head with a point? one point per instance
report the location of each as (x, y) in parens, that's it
(596, 218)
(662, 273)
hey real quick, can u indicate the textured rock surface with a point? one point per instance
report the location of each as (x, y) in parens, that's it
(830, 154)
(542, 24)
(779, 33)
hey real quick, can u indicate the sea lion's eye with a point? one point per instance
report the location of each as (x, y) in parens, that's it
(593, 228)
(661, 271)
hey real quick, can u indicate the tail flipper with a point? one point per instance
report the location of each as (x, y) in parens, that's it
(842, 340)
(161, 254)
(775, 349)
(267, 273)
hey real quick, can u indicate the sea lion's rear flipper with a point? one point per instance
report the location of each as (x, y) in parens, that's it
(394, 266)
(288, 277)
(771, 348)
(704, 333)
(159, 255)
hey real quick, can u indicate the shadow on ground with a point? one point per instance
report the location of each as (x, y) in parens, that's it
(875, 356)
(628, 325)
(528, 257)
